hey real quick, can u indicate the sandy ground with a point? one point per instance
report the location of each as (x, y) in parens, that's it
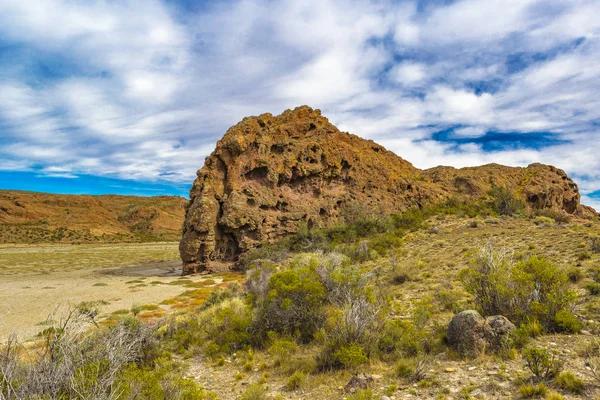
(36, 281)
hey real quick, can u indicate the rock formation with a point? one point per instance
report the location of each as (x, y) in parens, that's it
(470, 334)
(270, 173)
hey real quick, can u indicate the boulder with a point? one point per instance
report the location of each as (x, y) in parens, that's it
(270, 174)
(470, 334)
(358, 381)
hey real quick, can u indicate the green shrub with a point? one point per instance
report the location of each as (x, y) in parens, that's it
(160, 382)
(568, 381)
(283, 348)
(530, 391)
(226, 327)
(542, 363)
(504, 202)
(449, 300)
(254, 392)
(293, 304)
(566, 321)
(402, 337)
(554, 396)
(385, 242)
(411, 220)
(295, 381)
(217, 296)
(584, 255)
(404, 368)
(543, 221)
(351, 355)
(531, 288)
(593, 288)
(557, 216)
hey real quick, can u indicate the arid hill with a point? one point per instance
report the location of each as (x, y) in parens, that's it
(270, 173)
(28, 217)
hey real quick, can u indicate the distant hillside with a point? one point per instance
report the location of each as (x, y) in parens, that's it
(29, 217)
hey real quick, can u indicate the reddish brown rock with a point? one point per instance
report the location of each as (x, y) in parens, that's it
(268, 174)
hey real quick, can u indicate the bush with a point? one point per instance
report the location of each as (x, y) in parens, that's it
(530, 391)
(295, 381)
(254, 392)
(532, 288)
(293, 304)
(543, 221)
(504, 202)
(76, 361)
(574, 274)
(554, 396)
(400, 336)
(411, 220)
(404, 369)
(584, 255)
(557, 216)
(160, 382)
(565, 321)
(385, 242)
(593, 288)
(542, 363)
(226, 327)
(350, 356)
(568, 381)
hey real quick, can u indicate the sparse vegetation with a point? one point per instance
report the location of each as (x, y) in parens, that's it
(531, 288)
(108, 363)
(375, 295)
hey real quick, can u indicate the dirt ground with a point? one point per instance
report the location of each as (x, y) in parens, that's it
(37, 280)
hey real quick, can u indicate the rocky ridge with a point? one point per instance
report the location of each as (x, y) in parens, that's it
(270, 173)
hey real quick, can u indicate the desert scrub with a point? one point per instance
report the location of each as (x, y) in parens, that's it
(542, 363)
(226, 327)
(254, 392)
(531, 288)
(531, 391)
(76, 360)
(568, 381)
(592, 288)
(504, 202)
(400, 337)
(293, 304)
(295, 381)
(282, 350)
(413, 369)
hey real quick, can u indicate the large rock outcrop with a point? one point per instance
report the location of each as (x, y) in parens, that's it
(270, 173)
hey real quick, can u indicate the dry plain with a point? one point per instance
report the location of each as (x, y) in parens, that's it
(36, 280)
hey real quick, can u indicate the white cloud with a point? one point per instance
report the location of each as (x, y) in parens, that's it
(142, 90)
(408, 73)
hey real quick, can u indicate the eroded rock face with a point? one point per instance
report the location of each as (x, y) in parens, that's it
(270, 173)
(470, 334)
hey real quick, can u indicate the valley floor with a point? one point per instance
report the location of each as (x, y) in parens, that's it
(36, 281)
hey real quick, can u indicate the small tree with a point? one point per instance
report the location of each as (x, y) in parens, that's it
(504, 202)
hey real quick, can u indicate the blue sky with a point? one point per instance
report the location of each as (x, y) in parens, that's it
(130, 96)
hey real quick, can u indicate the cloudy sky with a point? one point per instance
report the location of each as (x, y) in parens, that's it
(129, 96)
